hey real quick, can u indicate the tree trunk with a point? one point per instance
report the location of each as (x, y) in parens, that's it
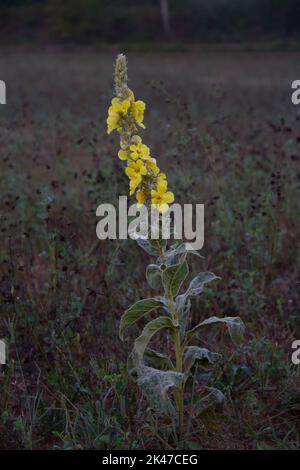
(165, 15)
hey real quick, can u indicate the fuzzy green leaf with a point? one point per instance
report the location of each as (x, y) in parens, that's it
(175, 255)
(158, 360)
(155, 385)
(148, 332)
(153, 276)
(201, 355)
(137, 311)
(197, 284)
(183, 308)
(173, 277)
(235, 327)
(149, 247)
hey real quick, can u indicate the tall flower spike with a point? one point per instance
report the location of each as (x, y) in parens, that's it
(126, 115)
(121, 78)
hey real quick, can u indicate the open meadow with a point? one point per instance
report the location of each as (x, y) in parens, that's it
(224, 129)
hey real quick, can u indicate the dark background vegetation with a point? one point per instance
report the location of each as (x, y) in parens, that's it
(105, 21)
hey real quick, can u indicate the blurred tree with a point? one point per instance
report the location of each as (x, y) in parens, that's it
(165, 15)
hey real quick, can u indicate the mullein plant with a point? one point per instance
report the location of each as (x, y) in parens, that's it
(163, 378)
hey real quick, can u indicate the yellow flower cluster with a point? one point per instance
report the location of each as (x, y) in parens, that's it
(125, 113)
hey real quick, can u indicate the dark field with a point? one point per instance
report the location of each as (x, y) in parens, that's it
(224, 129)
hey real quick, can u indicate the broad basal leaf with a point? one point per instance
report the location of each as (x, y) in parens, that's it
(201, 355)
(173, 277)
(137, 311)
(157, 360)
(155, 385)
(148, 332)
(235, 327)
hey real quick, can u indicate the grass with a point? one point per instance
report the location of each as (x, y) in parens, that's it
(225, 130)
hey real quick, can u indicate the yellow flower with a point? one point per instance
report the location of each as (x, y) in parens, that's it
(139, 151)
(161, 198)
(161, 177)
(116, 112)
(125, 114)
(123, 154)
(135, 170)
(140, 197)
(151, 164)
(138, 108)
(133, 184)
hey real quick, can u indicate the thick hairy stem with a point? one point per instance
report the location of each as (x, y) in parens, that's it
(179, 393)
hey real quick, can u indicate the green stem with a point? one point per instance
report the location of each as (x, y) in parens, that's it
(179, 368)
(179, 393)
